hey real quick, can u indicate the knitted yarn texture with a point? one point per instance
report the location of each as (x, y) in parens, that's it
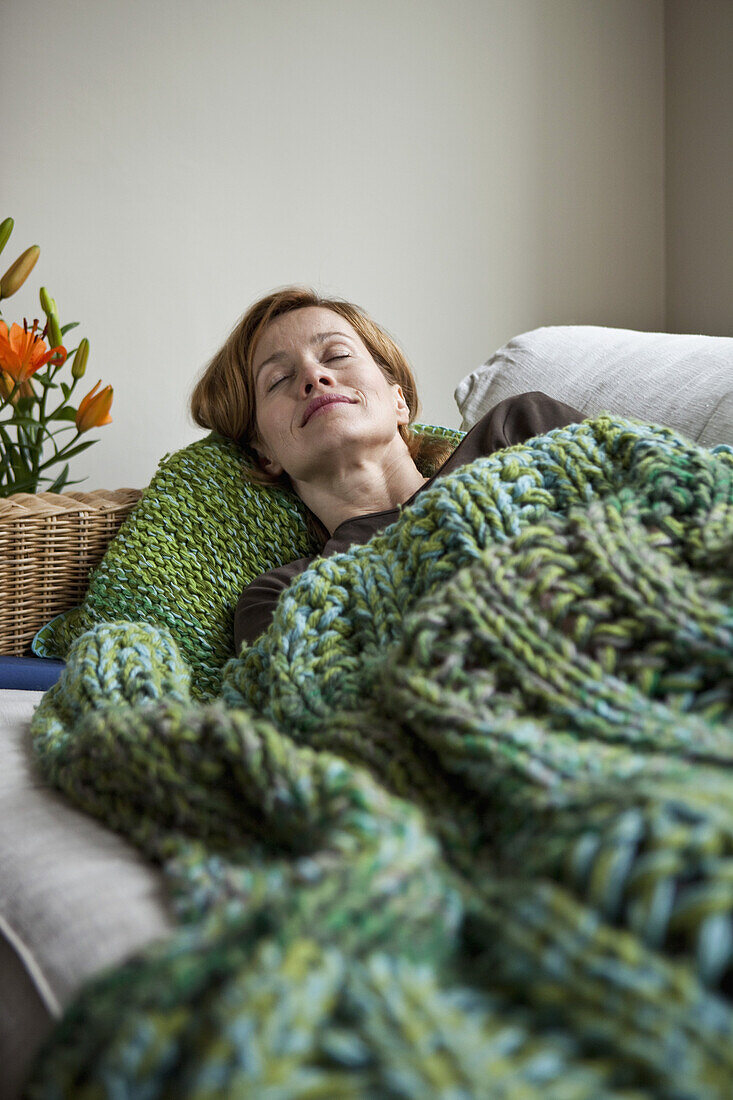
(201, 532)
(459, 824)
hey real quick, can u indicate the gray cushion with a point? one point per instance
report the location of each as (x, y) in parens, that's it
(685, 382)
(74, 897)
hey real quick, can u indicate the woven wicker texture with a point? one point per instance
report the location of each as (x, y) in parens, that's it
(200, 534)
(460, 824)
(49, 545)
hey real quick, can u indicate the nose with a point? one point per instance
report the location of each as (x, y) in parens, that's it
(314, 376)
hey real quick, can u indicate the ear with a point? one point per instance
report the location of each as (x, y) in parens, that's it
(269, 465)
(403, 411)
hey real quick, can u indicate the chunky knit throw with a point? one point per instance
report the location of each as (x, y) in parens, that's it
(460, 824)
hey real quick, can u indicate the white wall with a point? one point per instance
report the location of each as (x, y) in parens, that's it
(463, 169)
(699, 158)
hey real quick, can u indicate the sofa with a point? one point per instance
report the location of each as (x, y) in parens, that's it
(77, 899)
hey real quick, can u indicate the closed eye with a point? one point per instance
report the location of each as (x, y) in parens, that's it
(337, 357)
(277, 382)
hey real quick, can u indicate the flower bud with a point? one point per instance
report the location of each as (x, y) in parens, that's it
(80, 359)
(18, 272)
(54, 331)
(93, 409)
(47, 303)
(6, 228)
(7, 385)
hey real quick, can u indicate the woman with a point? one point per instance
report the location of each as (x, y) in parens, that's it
(322, 398)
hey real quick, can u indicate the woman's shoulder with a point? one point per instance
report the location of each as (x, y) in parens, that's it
(514, 420)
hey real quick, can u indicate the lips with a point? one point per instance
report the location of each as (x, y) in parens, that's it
(325, 399)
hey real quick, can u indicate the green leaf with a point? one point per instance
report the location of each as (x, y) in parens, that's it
(46, 382)
(79, 448)
(60, 480)
(22, 485)
(63, 453)
(21, 469)
(67, 413)
(23, 421)
(25, 404)
(68, 484)
(67, 328)
(66, 390)
(8, 444)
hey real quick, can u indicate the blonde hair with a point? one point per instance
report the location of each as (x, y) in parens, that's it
(223, 398)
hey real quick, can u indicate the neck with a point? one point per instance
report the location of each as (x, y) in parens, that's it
(369, 485)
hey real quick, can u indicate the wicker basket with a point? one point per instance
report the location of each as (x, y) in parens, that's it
(49, 543)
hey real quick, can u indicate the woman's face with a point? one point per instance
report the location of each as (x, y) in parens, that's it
(320, 396)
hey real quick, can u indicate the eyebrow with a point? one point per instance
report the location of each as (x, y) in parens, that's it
(319, 338)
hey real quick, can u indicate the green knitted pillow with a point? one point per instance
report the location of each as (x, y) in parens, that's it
(199, 534)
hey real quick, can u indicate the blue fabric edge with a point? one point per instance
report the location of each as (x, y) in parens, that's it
(29, 673)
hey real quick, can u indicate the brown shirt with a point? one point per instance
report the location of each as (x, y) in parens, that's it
(511, 421)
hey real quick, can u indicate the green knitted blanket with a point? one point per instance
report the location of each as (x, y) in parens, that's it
(460, 824)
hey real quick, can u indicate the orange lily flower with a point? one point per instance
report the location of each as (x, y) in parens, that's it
(93, 409)
(23, 351)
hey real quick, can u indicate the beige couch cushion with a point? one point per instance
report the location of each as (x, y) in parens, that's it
(684, 382)
(74, 897)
